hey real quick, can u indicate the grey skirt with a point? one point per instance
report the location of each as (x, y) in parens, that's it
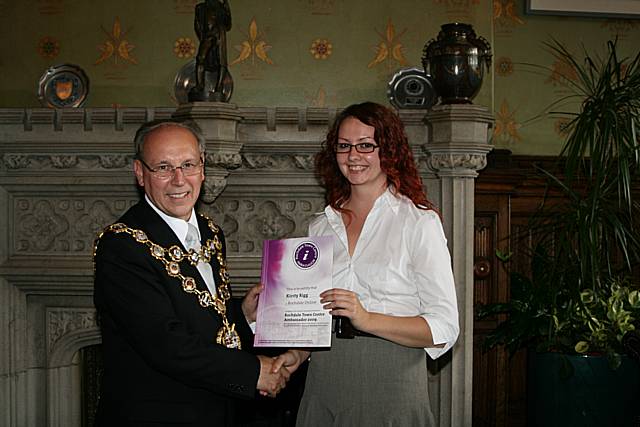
(366, 382)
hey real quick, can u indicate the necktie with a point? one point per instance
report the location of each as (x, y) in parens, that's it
(192, 241)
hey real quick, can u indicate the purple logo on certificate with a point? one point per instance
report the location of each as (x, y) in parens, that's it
(306, 254)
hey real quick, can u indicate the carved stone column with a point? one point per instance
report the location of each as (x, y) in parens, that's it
(219, 123)
(457, 148)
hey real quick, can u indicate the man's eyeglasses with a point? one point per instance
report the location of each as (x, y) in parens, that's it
(167, 171)
(363, 147)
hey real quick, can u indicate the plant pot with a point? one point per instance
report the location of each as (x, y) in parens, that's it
(571, 390)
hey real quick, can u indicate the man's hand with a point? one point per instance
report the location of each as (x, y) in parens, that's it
(272, 378)
(250, 303)
(291, 360)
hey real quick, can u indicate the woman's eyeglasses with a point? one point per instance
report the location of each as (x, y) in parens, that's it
(363, 147)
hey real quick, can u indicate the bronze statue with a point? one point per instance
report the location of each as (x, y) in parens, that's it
(213, 80)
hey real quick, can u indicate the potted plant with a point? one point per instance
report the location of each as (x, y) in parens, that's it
(581, 296)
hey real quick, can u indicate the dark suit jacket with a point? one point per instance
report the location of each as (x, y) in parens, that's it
(161, 363)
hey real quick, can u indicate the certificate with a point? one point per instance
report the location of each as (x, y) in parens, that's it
(294, 273)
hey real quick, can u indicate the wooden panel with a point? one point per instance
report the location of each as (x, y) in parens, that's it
(507, 192)
(489, 382)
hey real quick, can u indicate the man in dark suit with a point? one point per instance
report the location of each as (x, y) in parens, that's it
(172, 336)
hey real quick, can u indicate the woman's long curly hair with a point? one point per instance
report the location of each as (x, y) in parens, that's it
(396, 158)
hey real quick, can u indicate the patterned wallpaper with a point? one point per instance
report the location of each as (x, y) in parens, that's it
(324, 53)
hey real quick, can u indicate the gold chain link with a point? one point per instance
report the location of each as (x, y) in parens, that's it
(172, 256)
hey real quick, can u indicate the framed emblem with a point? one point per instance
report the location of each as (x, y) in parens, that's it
(63, 86)
(411, 88)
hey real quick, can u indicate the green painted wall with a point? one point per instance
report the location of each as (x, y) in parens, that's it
(285, 64)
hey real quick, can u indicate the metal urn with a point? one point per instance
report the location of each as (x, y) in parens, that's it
(456, 61)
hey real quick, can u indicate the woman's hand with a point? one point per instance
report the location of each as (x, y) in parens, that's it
(290, 360)
(341, 302)
(410, 331)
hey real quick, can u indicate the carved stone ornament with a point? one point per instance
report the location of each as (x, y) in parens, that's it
(278, 161)
(15, 161)
(40, 227)
(471, 161)
(114, 161)
(62, 321)
(270, 223)
(62, 162)
(227, 161)
(63, 225)
(212, 187)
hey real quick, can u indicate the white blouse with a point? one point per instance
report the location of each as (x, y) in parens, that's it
(400, 266)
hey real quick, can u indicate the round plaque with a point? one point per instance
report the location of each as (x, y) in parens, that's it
(411, 88)
(63, 86)
(185, 80)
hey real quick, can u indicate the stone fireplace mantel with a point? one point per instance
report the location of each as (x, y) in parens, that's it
(65, 174)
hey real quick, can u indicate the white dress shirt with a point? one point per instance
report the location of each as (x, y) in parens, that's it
(180, 227)
(400, 266)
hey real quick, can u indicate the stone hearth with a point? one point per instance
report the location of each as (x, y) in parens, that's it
(65, 174)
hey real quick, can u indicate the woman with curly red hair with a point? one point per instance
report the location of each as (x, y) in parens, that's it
(394, 290)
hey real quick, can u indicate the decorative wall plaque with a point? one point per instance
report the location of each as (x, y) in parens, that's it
(63, 86)
(411, 88)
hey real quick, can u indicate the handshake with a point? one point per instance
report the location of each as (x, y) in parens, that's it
(276, 371)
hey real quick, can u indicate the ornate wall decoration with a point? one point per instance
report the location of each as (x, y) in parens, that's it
(562, 72)
(504, 66)
(505, 16)
(212, 187)
(321, 49)
(224, 160)
(224, 212)
(305, 162)
(226, 215)
(440, 162)
(116, 50)
(247, 222)
(63, 162)
(62, 321)
(253, 51)
(184, 47)
(38, 225)
(561, 127)
(99, 215)
(67, 225)
(506, 127)
(16, 161)
(320, 98)
(269, 223)
(52, 162)
(115, 161)
(278, 161)
(389, 50)
(48, 47)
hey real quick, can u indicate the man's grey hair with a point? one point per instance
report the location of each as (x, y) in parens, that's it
(151, 126)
